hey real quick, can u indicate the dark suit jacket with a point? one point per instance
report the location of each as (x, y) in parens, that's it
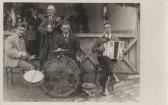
(71, 43)
(35, 22)
(45, 22)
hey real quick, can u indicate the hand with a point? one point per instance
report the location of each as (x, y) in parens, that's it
(32, 57)
(124, 51)
(58, 19)
(59, 49)
(33, 68)
(49, 29)
(78, 59)
(24, 54)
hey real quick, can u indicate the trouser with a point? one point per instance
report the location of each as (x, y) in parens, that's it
(32, 47)
(107, 69)
(46, 46)
(27, 66)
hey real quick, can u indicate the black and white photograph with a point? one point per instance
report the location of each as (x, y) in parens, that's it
(71, 52)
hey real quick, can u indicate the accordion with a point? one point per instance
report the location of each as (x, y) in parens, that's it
(114, 49)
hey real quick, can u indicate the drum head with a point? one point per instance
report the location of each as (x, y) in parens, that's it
(33, 76)
(62, 76)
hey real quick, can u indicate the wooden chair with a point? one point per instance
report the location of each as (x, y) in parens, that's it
(10, 73)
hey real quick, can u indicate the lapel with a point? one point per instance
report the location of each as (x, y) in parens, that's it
(66, 42)
(16, 42)
(19, 43)
(52, 21)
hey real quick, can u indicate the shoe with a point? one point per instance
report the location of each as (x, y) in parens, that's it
(105, 92)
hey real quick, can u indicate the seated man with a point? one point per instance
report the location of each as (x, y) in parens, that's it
(15, 51)
(99, 48)
(69, 41)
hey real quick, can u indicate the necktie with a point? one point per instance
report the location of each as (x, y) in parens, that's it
(50, 17)
(21, 44)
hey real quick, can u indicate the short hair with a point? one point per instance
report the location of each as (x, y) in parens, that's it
(20, 25)
(107, 24)
(66, 23)
(51, 7)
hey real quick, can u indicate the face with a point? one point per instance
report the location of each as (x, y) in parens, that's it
(34, 12)
(20, 31)
(66, 28)
(107, 28)
(51, 10)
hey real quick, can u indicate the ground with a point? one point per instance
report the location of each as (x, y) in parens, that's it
(125, 90)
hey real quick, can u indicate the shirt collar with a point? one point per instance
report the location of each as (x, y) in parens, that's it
(108, 35)
(66, 35)
(35, 17)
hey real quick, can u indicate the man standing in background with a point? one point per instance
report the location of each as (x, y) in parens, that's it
(35, 21)
(48, 31)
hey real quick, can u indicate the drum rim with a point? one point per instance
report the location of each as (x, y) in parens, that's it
(68, 93)
(33, 82)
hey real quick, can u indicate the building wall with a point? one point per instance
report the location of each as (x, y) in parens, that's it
(122, 18)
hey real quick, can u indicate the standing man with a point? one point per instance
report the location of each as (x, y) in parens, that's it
(99, 48)
(35, 21)
(48, 31)
(15, 51)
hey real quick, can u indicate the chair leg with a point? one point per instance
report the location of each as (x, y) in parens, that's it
(112, 81)
(6, 69)
(12, 81)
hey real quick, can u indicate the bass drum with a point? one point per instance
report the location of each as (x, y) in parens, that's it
(61, 76)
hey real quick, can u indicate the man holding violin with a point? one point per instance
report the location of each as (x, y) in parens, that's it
(47, 29)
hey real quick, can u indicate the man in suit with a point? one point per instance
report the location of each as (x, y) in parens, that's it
(99, 48)
(35, 21)
(69, 41)
(48, 31)
(15, 51)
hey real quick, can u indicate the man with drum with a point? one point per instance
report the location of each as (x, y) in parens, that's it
(99, 48)
(68, 42)
(48, 31)
(15, 51)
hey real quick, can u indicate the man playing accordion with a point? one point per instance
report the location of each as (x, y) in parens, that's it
(106, 61)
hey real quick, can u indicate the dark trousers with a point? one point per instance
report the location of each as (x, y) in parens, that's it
(32, 47)
(44, 47)
(107, 69)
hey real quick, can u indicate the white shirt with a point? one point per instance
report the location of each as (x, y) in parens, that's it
(108, 35)
(66, 35)
(35, 17)
(106, 44)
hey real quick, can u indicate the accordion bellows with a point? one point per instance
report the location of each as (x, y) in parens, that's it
(114, 49)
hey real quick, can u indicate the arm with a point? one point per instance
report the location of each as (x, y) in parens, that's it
(98, 46)
(77, 48)
(77, 45)
(9, 50)
(42, 26)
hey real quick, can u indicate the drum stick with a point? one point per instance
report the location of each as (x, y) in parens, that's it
(31, 68)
